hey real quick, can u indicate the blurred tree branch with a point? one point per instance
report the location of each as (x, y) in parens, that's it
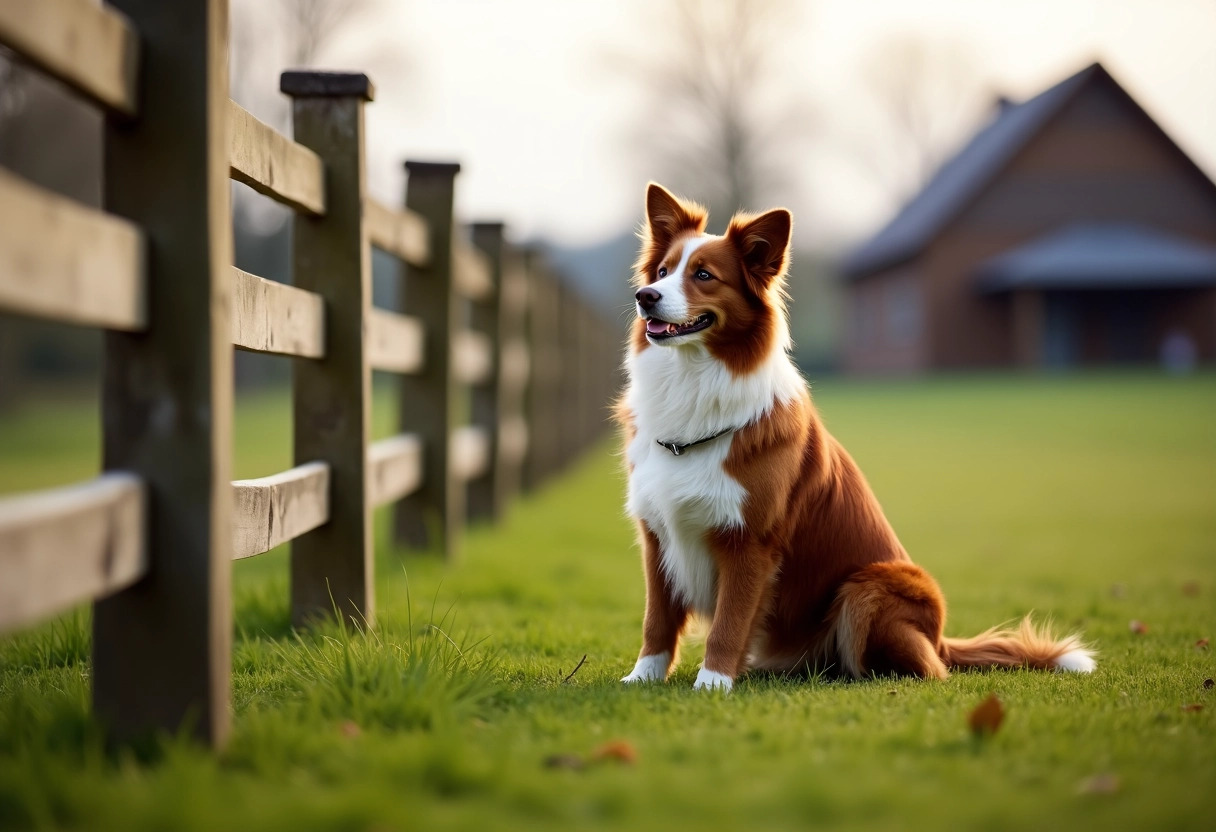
(265, 39)
(312, 24)
(715, 123)
(927, 92)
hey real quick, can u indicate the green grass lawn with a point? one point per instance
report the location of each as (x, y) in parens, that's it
(1088, 499)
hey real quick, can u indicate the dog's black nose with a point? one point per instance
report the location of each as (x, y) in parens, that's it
(647, 297)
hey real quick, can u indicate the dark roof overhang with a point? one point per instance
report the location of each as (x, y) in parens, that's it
(1101, 256)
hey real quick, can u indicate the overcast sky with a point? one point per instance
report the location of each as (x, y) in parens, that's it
(531, 97)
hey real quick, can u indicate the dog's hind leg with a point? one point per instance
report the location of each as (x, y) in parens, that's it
(888, 618)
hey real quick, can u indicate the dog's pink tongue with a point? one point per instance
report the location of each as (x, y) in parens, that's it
(655, 326)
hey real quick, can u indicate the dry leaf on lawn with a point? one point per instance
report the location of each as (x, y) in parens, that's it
(1137, 627)
(1099, 784)
(987, 716)
(619, 750)
(1192, 708)
(1202, 644)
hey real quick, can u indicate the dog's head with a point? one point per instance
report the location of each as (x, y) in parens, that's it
(696, 288)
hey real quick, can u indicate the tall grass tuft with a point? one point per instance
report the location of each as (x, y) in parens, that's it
(64, 642)
(387, 678)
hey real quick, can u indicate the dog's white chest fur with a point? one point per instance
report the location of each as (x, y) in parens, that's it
(682, 394)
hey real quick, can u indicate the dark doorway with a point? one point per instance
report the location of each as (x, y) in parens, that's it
(1102, 327)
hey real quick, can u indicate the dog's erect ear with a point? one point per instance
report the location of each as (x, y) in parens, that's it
(763, 241)
(667, 216)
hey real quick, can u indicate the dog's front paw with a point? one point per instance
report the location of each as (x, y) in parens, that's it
(649, 669)
(713, 680)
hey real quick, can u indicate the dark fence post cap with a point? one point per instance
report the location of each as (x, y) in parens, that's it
(307, 83)
(432, 168)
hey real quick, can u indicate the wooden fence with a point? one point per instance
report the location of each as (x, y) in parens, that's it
(504, 374)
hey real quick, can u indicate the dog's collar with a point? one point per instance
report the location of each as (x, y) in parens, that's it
(676, 448)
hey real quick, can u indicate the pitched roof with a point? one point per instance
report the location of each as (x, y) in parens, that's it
(962, 177)
(1101, 256)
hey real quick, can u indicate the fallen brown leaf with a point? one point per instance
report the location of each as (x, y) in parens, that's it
(1202, 644)
(573, 762)
(619, 750)
(987, 716)
(1137, 627)
(1192, 708)
(1099, 784)
(1208, 684)
(350, 728)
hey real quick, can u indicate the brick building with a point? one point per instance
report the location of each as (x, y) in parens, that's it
(1069, 231)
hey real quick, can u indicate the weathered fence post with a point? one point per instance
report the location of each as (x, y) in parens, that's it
(588, 403)
(333, 564)
(544, 346)
(514, 435)
(613, 339)
(570, 425)
(161, 649)
(483, 494)
(430, 400)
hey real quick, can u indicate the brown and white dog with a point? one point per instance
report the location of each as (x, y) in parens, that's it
(750, 512)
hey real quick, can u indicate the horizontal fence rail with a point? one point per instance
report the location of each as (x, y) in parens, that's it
(68, 545)
(89, 47)
(272, 164)
(401, 233)
(63, 261)
(273, 510)
(502, 373)
(472, 274)
(395, 468)
(395, 341)
(273, 317)
(470, 452)
(473, 355)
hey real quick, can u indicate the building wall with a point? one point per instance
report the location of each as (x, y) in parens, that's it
(1098, 160)
(887, 322)
(1195, 313)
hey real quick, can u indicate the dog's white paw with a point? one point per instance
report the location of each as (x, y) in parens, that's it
(649, 669)
(712, 680)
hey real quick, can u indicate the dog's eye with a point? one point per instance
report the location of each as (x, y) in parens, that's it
(703, 275)
(662, 272)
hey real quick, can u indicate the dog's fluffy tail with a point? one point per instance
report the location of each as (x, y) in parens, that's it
(1026, 646)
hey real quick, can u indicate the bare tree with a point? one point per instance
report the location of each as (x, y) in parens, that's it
(311, 25)
(716, 125)
(265, 39)
(269, 37)
(928, 92)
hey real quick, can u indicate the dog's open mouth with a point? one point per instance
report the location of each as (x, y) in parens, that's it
(659, 330)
